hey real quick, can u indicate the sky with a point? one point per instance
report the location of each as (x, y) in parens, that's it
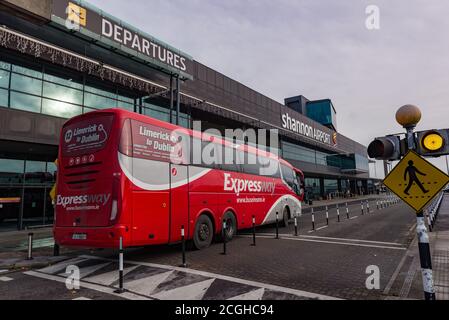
(317, 48)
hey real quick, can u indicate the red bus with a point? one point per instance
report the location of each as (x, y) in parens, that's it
(122, 174)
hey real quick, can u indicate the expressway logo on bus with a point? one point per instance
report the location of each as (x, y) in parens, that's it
(244, 185)
(100, 199)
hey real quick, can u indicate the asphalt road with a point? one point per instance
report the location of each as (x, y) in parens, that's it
(329, 262)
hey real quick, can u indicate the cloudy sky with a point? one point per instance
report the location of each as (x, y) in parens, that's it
(317, 48)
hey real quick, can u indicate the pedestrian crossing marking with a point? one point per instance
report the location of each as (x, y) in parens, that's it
(252, 295)
(108, 278)
(6, 279)
(194, 291)
(153, 281)
(146, 286)
(59, 267)
(85, 271)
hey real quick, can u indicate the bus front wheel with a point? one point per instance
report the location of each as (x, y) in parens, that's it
(204, 232)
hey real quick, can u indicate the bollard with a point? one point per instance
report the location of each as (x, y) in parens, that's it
(377, 204)
(277, 225)
(296, 226)
(425, 258)
(429, 222)
(254, 231)
(327, 216)
(56, 250)
(338, 213)
(347, 211)
(223, 231)
(361, 204)
(120, 268)
(30, 246)
(183, 247)
(313, 220)
(367, 206)
(433, 217)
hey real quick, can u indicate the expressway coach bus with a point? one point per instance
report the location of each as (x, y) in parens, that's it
(122, 174)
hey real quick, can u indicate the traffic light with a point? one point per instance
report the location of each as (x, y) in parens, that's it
(387, 148)
(433, 143)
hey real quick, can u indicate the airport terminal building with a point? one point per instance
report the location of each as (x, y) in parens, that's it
(61, 58)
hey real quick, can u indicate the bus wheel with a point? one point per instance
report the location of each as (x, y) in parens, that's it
(204, 232)
(231, 225)
(285, 217)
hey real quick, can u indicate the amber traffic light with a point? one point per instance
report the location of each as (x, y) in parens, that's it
(433, 143)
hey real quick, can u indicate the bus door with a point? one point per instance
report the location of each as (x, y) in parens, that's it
(179, 201)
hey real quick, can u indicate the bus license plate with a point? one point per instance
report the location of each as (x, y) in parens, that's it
(79, 236)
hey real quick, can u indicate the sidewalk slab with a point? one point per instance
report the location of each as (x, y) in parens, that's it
(408, 284)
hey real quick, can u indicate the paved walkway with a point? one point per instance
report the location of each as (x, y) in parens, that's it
(407, 283)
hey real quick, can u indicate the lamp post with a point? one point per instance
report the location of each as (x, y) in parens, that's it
(408, 116)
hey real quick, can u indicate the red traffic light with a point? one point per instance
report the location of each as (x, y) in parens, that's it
(385, 148)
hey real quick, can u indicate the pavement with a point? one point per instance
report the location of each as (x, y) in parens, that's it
(407, 283)
(327, 260)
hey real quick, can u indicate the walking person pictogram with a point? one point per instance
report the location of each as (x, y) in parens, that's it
(411, 171)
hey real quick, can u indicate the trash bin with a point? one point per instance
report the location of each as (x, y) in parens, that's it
(310, 202)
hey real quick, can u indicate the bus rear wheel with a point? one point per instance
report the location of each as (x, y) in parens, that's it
(204, 232)
(231, 225)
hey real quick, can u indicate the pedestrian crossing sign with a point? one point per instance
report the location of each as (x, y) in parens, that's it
(416, 181)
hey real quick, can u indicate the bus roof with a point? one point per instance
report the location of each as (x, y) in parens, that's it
(122, 113)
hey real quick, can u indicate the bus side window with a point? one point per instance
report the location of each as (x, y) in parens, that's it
(229, 162)
(290, 177)
(269, 167)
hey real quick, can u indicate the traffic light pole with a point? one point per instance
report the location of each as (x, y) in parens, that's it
(423, 239)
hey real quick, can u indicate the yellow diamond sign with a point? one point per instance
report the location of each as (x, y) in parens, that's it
(415, 180)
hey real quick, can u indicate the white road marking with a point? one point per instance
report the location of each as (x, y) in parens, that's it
(84, 272)
(323, 227)
(194, 291)
(96, 287)
(252, 295)
(6, 279)
(301, 293)
(59, 267)
(290, 237)
(146, 286)
(3, 271)
(354, 217)
(108, 278)
(331, 238)
(357, 240)
(82, 298)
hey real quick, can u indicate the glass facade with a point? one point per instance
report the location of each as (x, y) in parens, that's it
(24, 193)
(25, 184)
(312, 188)
(40, 89)
(330, 186)
(292, 151)
(322, 112)
(295, 152)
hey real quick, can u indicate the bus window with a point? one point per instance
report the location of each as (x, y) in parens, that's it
(300, 183)
(269, 167)
(290, 178)
(229, 162)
